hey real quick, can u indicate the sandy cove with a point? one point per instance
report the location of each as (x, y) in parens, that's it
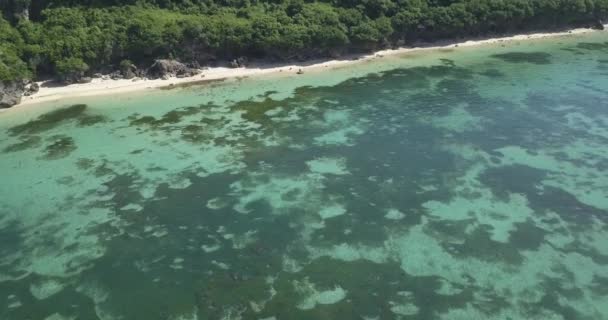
(105, 87)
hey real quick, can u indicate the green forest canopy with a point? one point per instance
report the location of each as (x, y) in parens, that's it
(52, 37)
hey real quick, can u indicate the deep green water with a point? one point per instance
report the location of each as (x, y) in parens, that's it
(456, 184)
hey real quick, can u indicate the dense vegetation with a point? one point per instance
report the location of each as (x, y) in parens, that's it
(58, 37)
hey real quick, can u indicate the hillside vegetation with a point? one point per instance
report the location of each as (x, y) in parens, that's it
(59, 37)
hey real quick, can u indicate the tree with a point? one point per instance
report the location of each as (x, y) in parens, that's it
(12, 67)
(71, 70)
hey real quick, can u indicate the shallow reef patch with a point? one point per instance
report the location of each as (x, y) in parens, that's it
(60, 147)
(593, 46)
(25, 143)
(492, 73)
(441, 191)
(524, 57)
(169, 118)
(55, 118)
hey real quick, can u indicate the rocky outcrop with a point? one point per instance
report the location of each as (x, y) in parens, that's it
(11, 93)
(128, 70)
(72, 77)
(240, 62)
(31, 88)
(164, 68)
(116, 75)
(597, 25)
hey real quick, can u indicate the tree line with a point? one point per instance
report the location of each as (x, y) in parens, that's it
(57, 37)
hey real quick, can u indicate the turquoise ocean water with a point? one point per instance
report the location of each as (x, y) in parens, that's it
(467, 183)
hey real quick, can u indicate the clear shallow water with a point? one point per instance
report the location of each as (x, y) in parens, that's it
(458, 184)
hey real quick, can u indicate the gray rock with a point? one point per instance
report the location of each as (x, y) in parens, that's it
(85, 80)
(11, 93)
(194, 65)
(129, 72)
(31, 88)
(72, 77)
(240, 62)
(597, 25)
(97, 75)
(34, 87)
(140, 73)
(334, 53)
(115, 75)
(163, 68)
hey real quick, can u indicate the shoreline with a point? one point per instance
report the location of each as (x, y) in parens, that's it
(100, 87)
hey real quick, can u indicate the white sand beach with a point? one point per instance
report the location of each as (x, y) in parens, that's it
(105, 87)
